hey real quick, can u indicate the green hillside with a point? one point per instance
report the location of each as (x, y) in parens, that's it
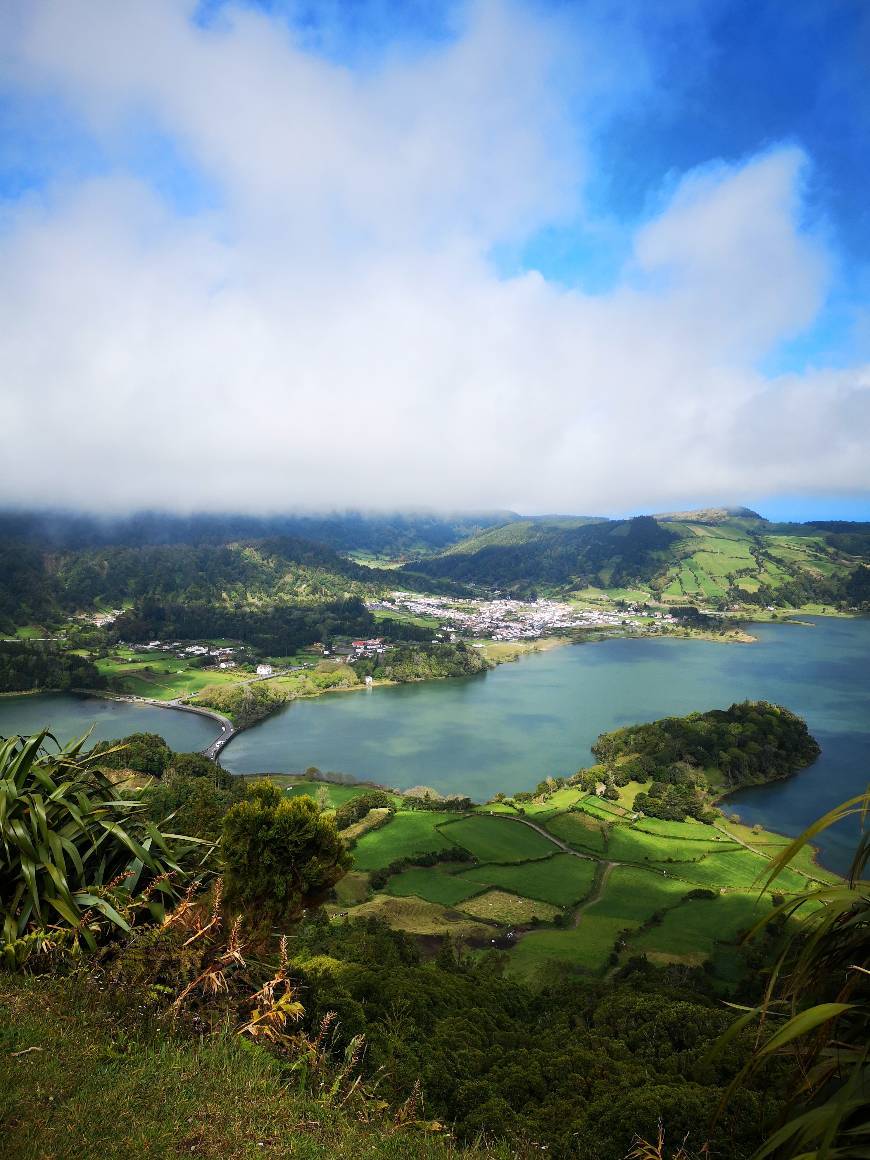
(715, 557)
(556, 554)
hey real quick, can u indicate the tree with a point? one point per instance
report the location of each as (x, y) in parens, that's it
(281, 854)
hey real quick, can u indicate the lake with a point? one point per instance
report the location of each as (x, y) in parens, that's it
(507, 729)
(70, 716)
(510, 727)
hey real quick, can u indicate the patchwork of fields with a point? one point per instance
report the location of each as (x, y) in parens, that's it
(735, 555)
(572, 885)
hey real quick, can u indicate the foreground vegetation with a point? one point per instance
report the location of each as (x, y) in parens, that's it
(327, 1035)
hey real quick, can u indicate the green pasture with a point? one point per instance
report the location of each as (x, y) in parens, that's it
(562, 799)
(161, 676)
(494, 839)
(599, 808)
(690, 831)
(627, 844)
(580, 831)
(804, 862)
(497, 808)
(435, 884)
(420, 621)
(352, 889)
(690, 932)
(409, 834)
(562, 879)
(31, 632)
(337, 794)
(630, 897)
(734, 869)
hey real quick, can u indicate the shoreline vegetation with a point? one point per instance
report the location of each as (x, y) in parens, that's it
(495, 652)
(235, 706)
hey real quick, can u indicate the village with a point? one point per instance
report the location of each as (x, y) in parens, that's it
(507, 620)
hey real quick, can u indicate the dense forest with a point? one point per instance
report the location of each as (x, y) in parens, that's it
(747, 744)
(523, 556)
(26, 665)
(280, 630)
(388, 534)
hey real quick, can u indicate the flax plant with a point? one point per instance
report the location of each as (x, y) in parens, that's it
(815, 1010)
(79, 857)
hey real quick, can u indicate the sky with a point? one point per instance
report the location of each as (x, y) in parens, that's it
(591, 256)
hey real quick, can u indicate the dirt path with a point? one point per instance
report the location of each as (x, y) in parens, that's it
(596, 894)
(545, 834)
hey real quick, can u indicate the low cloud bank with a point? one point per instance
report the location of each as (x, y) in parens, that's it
(326, 327)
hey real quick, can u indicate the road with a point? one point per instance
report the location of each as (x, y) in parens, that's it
(228, 729)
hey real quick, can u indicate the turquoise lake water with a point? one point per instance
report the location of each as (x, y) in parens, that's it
(70, 716)
(506, 729)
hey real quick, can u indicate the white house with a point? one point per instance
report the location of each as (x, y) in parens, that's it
(264, 670)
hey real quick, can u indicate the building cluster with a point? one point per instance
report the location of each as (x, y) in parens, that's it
(223, 657)
(101, 619)
(510, 619)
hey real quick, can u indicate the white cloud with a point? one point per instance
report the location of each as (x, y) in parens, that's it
(334, 334)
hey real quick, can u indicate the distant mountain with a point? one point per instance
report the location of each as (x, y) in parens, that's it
(716, 557)
(388, 534)
(718, 515)
(561, 553)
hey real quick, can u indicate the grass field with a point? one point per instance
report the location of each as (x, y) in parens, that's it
(563, 799)
(596, 808)
(690, 831)
(733, 869)
(417, 916)
(580, 831)
(561, 880)
(435, 884)
(409, 834)
(161, 675)
(627, 844)
(630, 897)
(352, 888)
(690, 933)
(498, 839)
(336, 794)
(508, 909)
(83, 1085)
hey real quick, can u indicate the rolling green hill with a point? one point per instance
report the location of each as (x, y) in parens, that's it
(717, 557)
(556, 554)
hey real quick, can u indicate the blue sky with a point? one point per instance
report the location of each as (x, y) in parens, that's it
(519, 193)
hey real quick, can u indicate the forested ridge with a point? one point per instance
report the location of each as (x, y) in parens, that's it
(540, 553)
(53, 567)
(719, 558)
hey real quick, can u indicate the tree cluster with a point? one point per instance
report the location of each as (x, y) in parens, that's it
(423, 662)
(748, 743)
(28, 664)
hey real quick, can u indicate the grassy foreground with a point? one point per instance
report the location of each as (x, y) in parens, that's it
(76, 1083)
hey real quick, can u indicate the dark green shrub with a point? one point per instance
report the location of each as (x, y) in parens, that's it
(281, 854)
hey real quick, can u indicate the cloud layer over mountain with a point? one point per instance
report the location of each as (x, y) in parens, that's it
(296, 298)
